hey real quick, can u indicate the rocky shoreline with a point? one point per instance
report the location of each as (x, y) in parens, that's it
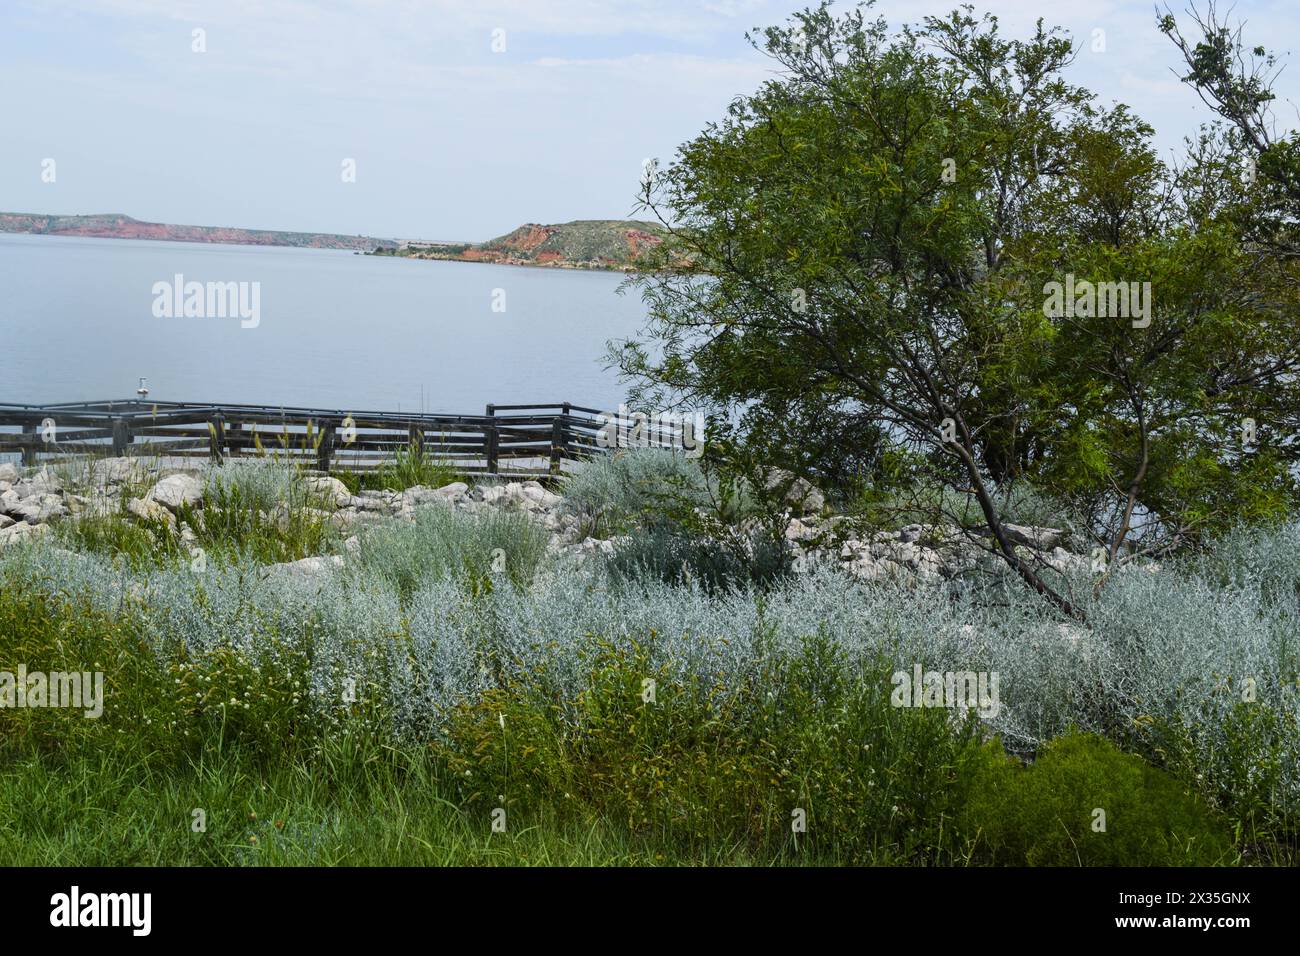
(30, 502)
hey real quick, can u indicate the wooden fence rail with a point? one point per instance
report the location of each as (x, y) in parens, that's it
(511, 440)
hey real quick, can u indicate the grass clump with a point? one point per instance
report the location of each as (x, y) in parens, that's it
(256, 511)
(443, 542)
(618, 492)
(265, 512)
(410, 467)
(698, 765)
(137, 542)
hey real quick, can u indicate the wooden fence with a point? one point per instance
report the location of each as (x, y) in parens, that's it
(513, 440)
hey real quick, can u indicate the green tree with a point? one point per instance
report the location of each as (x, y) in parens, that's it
(864, 246)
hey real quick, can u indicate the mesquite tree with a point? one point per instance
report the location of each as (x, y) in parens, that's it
(871, 245)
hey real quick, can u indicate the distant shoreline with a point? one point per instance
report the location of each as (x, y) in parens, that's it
(117, 226)
(522, 263)
(598, 245)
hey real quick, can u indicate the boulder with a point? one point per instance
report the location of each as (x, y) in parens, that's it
(38, 508)
(345, 518)
(492, 494)
(176, 490)
(1040, 539)
(22, 531)
(1064, 561)
(307, 569)
(110, 472)
(911, 534)
(329, 489)
(866, 568)
(9, 472)
(377, 502)
(44, 482)
(420, 495)
(99, 505)
(535, 495)
(9, 500)
(149, 510)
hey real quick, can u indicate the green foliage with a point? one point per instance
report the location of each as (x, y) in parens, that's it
(265, 512)
(1246, 776)
(710, 767)
(409, 467)
(844, 282)
(164, 700)
(258, 511)
(137, 541)
(733, 561)
(441, 541)
(702, 764)
(1046, 814)
(632, 487)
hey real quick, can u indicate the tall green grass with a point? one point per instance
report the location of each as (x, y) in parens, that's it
(410, 467)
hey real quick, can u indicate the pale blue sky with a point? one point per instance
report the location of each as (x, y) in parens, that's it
(451, 140)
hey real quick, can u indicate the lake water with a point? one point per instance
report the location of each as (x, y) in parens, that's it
(334, 330)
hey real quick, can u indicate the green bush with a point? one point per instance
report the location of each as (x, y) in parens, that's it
(731, 562)
(238, 520)
(442, 541)
(806, 739)
(164, 700)
(617, 492)
(1246, 776)
(1047, 814)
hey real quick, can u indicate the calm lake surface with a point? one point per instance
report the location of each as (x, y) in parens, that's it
(335, 330)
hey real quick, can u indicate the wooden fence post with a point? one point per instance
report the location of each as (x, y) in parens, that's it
(325, 448)
(490, 441)
(29, 446)
(216, 437)
(121, 437)
(557, 443)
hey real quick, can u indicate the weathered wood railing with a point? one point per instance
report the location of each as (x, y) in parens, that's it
(507, 439)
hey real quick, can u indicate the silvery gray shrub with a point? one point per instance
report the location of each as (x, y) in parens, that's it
(1170, 646)
(613, 490)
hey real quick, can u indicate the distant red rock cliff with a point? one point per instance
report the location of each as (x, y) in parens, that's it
(583, 244)
(116, 226)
